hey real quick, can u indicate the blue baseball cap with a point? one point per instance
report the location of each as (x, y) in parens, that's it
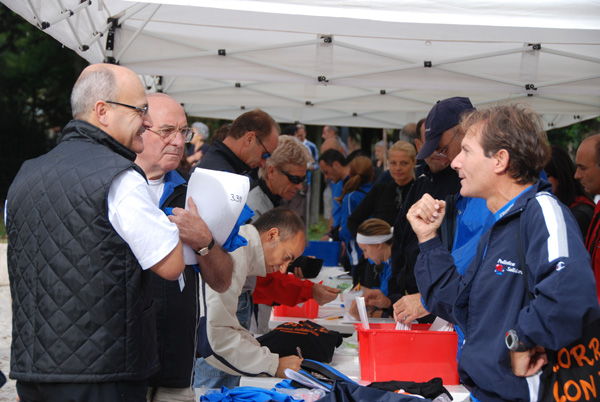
(444, 115)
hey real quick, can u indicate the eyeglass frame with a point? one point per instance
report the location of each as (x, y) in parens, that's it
(292, 178)
(142, 110)
(267, 154)
(167, 139)
(445, 149)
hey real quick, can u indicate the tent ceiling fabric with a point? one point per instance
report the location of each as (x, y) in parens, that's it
(355, 63)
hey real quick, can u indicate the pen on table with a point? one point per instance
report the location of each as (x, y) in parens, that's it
(299, 352)
(335, 318)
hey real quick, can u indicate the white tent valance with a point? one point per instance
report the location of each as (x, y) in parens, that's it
(354, 63)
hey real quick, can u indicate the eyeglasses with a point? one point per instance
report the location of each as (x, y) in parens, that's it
(442, 153)
(168, 134)
(267, 154)
(142, 110)
(292, 178)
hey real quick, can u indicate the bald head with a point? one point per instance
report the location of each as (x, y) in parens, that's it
(113, 99)
(332, 143)
(99, 82)
(588, 164)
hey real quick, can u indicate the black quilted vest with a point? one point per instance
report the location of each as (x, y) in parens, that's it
(82, 305)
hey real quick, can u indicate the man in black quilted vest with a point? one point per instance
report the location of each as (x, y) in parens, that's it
(83, 232)
(177, 302)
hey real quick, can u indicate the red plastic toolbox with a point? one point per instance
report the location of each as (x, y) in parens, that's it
(309, 309)
(416, 355)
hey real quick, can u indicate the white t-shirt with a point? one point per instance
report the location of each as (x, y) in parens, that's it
(133, 212)
(157, 187)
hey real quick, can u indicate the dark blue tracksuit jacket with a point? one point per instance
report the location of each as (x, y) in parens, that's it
(491, 297)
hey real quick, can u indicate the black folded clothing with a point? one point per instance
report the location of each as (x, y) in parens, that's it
(316, 342)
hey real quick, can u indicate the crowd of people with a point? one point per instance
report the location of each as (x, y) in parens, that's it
(472, 217)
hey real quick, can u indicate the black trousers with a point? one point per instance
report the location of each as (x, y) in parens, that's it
(119, 391)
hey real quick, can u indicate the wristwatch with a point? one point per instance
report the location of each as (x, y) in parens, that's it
(513, 343)
(205, 250)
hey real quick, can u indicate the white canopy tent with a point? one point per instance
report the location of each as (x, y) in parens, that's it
(369, 63)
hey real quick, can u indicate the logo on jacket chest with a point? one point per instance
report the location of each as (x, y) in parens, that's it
(503, 266)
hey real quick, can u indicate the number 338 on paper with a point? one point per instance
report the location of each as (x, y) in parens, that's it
(236, 198)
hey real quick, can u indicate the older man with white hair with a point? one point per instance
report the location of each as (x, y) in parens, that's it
(176, 303)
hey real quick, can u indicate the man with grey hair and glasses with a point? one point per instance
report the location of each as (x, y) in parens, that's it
(176, 302)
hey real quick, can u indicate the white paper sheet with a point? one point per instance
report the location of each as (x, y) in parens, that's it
(362, 312)
(441, 325)
(220, 198)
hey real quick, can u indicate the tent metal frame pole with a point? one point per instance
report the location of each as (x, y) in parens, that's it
(341, 98)
(183, 56)
(571, 101)
(96, 35)
(39, 23)
(382, 121)
(104, 30)
(137, 32)
(371, 51)
(129, 12)
(376, 71)
(397, 94)
(197, 89)
(340, 114)
(419, 64)
(228, 109)
(570, 55)
(481, 56)
(252, 87)
(67, 15)
(275, 66)
(567, 80)
(501, 99)
(169, 84)
(483, 76)
(273, 47)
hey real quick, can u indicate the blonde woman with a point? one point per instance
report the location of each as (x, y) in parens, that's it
(385, 200)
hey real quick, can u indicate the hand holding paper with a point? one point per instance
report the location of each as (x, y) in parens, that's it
(193, 231)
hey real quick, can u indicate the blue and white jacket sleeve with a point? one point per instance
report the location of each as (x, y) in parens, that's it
(559, 275)
(437, 278)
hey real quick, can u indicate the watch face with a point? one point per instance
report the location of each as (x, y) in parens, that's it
(512, 342)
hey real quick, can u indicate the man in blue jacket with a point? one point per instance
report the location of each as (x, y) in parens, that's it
(507, 332)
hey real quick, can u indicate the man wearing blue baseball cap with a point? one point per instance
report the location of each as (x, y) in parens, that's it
(441, 127)
(442, 144)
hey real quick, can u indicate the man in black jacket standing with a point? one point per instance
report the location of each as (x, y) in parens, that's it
(84, 232)
(251, 140)
(176, 302)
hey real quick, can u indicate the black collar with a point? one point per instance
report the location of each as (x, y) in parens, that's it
(275, 199)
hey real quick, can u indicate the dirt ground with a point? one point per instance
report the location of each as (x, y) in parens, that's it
(8, 392)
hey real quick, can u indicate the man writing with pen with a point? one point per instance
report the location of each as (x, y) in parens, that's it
(275, 239)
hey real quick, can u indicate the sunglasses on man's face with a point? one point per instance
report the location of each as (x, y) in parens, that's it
(292, 178)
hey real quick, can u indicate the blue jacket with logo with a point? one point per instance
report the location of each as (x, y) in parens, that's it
(491, 297)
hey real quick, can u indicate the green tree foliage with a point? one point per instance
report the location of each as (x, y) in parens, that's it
(36, 77)
(571, 136)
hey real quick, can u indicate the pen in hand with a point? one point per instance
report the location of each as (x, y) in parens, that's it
(299, 352)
